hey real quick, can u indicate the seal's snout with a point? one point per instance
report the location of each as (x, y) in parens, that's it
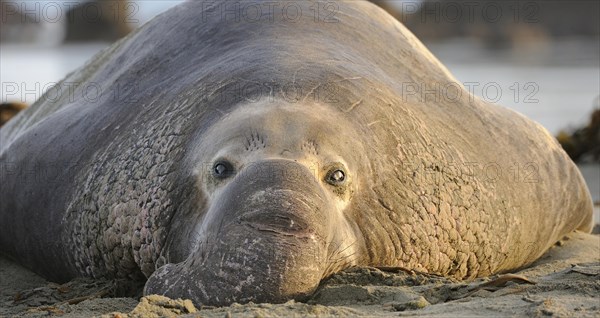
(277, 196)
(263, 240)
(281, 211)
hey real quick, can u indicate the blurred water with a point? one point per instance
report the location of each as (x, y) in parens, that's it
(556, 84)
(591, 173)
(26, 71)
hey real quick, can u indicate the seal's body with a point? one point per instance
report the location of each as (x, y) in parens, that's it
(224, 159)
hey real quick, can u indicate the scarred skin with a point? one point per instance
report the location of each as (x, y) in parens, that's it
(123, 185)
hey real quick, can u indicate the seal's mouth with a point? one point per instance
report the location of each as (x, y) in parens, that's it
(280, 225)
(281, 211)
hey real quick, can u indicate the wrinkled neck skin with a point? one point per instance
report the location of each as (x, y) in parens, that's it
(274, 224)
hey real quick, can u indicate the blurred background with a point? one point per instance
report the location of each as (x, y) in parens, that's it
(541, 58)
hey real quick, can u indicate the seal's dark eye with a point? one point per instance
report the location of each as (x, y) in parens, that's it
(336, 177)
(222, 169)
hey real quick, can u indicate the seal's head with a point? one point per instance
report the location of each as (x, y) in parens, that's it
(278, 180)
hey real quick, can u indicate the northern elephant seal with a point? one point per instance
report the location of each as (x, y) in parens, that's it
(227, 157)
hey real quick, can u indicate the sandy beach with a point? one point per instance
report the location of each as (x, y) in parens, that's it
(565, 282)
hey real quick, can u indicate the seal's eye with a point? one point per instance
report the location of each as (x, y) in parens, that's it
(336, 176)
(222, 169)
